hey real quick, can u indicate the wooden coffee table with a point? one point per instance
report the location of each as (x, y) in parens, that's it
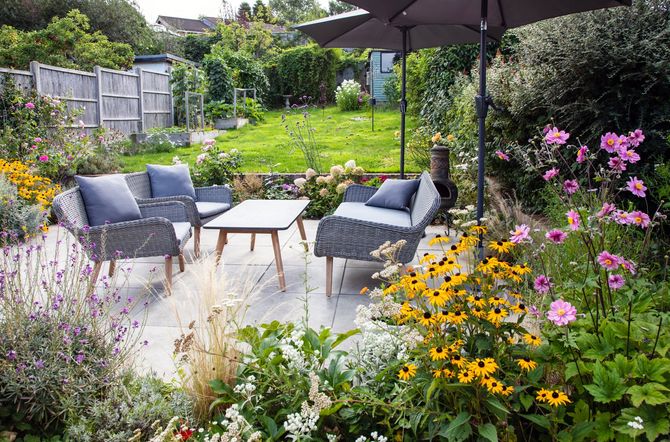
(260, 216)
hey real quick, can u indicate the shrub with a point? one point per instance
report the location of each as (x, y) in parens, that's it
(215, 110)
(18, 218)
(214, 166)
(219, 78)
(62, 342)
(30, 187)
(245, 72)
(251, 109)
(301, 71)
(186, 78)
(348, 95)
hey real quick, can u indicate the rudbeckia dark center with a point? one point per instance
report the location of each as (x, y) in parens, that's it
(481, 364)
(405, 369)
(427, 315)
(554, 395)
(438, 350)
(497, 311)
(522, 306)
(499, 243)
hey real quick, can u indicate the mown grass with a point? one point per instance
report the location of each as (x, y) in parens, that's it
(265, 146)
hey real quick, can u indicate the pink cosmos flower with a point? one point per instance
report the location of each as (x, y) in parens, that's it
(608, 261)
(561, 312)
(606, 210)
(636, 137)
(43, 158)
(33, 147)
(629, 155)
(502, 155)
(615, 281)
(617, 163)
(556, 136)
(556, 236)
(608, 142)
(519, 234)
(621, 217)
(542, 284)
(639, 218)
(628, 265)
(570, 186)
(581, 154)
(30, 105)
(636, 187)
(37, 140)
(573, 219)
(551, 173)
(200, 158)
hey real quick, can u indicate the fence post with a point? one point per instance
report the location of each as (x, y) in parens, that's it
(98, 82)
(35, 70)
(188, 116)
(140, 92)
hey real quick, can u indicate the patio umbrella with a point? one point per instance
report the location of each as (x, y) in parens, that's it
(497, 13)
(360, 29)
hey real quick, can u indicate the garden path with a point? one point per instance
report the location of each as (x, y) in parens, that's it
(253, 273)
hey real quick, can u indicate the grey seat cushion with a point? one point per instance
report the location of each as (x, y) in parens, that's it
(374, 214)
(182, 231)
(108, 199)
(394, 194)
(207, 209)
(170, 180)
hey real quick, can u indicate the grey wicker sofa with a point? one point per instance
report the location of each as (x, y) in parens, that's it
(210, 202)
(163, 230)
(355, 230)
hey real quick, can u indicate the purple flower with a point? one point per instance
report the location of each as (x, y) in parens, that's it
(606, 210)
(621, 217)
(551, 173)
(581, 154)
(519, 234)
(616, 163)
(39, 364)
(573, 219)
(43, 158)
(570, 186)
(608, 261)
(628, 265)
(502, 155)
(136, 324)
(542, 284)
(608, 142)
(615, 281)
(639, 218)
(533, 310)
(629, 155)
(556, 136)
(11, 355)
(79, 358)
(30, 105)
(636, 137)
(561, 312)
(636, 187)
(556, 236)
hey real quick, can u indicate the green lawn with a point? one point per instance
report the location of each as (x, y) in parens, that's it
(342, 136)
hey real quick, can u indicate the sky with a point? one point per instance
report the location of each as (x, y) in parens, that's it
(188, 8)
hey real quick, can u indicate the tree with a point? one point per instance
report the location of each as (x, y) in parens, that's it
(244, 12)
(262, 13)
(119, 20)
(296, 11)
(338, 7)
(65, 42)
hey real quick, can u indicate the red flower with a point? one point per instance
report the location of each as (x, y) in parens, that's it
(383, 178)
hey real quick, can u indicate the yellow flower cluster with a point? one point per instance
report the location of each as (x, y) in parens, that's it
(31, 187)
(449, 298)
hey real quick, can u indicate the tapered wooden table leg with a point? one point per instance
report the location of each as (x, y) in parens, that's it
(112, 267)
(223, 238)
(168, 275)
(303, 235)
(182, 262)
(196, 241)
(329, 276)
(253, 241)
(280, 266)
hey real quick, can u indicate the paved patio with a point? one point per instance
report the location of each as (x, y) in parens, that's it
(253, 272)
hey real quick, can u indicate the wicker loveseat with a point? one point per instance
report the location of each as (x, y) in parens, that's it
(163, 230)
(355, 230)
(209, 203)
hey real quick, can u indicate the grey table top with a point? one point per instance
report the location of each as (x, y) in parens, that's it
(259, 215)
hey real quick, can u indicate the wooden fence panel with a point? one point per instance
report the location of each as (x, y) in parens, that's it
(129, 102)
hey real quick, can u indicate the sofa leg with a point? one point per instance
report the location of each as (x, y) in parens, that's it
(97, 266)
(182, 262)
(168, 275)
(196, 241)
(329, 276)
(253, 242)
(112, 267)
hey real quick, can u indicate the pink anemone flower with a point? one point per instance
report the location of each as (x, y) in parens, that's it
(636, 187)
(561, 312)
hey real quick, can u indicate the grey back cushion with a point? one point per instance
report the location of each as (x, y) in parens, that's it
(170, 180)
(108, 199)
(394, 194)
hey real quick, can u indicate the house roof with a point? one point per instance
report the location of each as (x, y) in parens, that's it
(184, 24)
(169, 58)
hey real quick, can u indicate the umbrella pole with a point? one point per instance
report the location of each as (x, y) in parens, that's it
(403, 102)
(482, 109)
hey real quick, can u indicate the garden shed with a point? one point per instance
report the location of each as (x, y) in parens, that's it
(380, 71)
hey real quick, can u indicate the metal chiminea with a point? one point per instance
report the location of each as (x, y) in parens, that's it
(439, 172)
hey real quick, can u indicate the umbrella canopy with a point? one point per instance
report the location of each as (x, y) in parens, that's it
(501, 13)
(360, 29)
(498, 13)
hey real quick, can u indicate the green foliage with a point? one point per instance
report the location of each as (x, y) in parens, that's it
(197, 46)
(302, 137)
(18, 217)
(296, 11)
(338, 7)
(348, 96)
(219, 78)
(250, 37)
(302, 70)
(134, 405)
(251, 109)
(245, 71)
(65, 42)
(119, 20)
(214, 166)
(185, 78)
(215, 110)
